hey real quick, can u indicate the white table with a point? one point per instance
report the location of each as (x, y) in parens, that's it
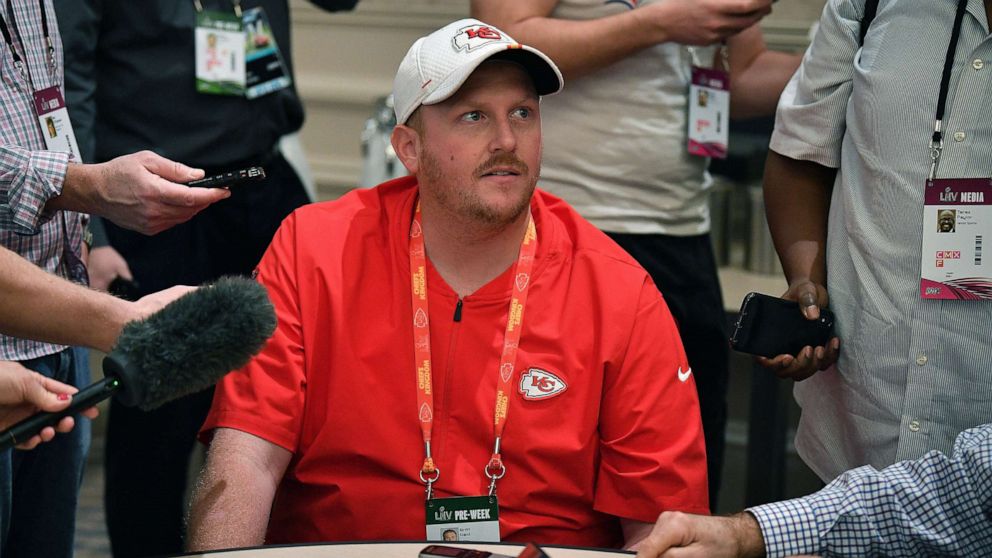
(393, 550)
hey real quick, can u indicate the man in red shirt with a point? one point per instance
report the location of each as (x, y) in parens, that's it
(456, 350)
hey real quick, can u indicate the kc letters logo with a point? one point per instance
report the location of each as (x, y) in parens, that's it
(540, 384)
(474, 36)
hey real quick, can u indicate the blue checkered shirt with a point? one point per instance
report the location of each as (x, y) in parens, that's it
(30, 175)
(934, 506)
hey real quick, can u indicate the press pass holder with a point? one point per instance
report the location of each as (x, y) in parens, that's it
(709, 109)
(769, 326)
(49, 104)
(220, 51)
(53, 117)
(957, 212)
(237, 53)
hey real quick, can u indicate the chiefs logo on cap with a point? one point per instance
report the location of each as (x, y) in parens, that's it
(475, 36)
(540, 384)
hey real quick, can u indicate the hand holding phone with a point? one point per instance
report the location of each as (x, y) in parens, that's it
(769, 326)
(231, 178)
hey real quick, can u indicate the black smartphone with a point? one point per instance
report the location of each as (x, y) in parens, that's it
(438, 551)
(770, 326)
(230, 178)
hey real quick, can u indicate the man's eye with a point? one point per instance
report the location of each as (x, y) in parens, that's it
(523, 112)
(473, 116)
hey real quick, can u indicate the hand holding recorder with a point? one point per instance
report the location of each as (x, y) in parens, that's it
(141, 192)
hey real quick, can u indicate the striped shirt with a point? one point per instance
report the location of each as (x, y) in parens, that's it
(912, 373)
(934, 506)
(30, 175)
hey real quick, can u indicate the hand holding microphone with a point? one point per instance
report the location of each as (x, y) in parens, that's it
(24, 392)
(185, 347)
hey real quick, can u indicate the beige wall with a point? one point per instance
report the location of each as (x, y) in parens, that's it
(345, 61)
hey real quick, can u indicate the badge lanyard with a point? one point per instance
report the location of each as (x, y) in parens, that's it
(956, 213)
(21, 63)
(56, 130)
(49, 104)
(495, 469)
(937, 140)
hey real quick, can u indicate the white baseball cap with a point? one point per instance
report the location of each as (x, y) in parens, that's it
(438, 64)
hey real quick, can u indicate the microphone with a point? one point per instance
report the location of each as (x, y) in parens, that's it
(185, 347)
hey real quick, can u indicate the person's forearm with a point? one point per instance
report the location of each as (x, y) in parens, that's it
(936, 505)
(233, 496)
(578, 47)
(757, 75)
(797, 203)
(79, 190)
(755, 91)
(223, 517)
(38, 305)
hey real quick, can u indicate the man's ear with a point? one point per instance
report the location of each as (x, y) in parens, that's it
(406, 144)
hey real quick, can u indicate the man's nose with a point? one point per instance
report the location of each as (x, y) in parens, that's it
(504, 136)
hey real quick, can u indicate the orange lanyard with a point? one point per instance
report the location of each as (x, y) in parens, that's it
(495, 469)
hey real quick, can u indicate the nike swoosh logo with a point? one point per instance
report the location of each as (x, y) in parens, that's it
(683, 376)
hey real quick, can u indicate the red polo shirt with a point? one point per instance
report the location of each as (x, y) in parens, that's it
(336, 386)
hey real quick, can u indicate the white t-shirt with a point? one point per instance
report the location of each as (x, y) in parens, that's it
(615, 140)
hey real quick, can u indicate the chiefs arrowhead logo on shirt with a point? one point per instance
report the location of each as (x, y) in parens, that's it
(474, 36)
(540, 384)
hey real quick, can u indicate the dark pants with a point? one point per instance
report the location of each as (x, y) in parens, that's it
(684, 270)
(147, 453)
(40, 488)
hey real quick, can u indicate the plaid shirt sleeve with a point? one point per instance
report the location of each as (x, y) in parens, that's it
(28, 179)
(936, 505)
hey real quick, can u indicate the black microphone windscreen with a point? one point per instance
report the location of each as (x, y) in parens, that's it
(191, 343)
